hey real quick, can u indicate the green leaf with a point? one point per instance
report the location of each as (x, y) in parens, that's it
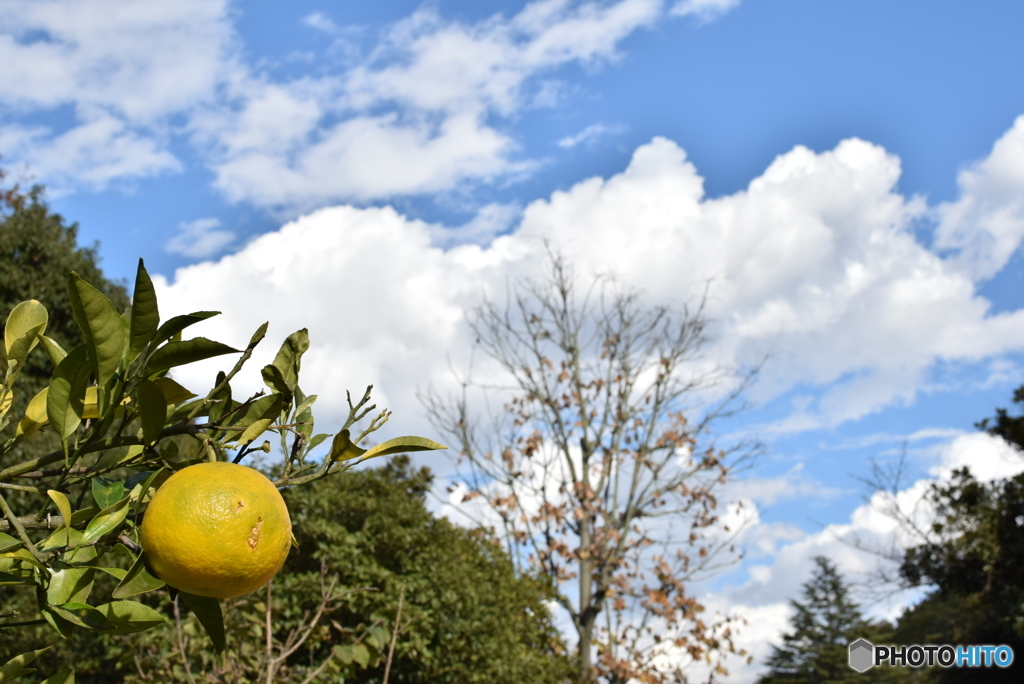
(210, 617)
(65, 402)
(69, 584)
(342, 448)
(106, 521)
(316, 441)
(289, 357)
(172, 391)
(63, 677)
(259, 416)
(179, 323)
(7, 542)
(152, 411)
(53, 350)
(138, 581)
(188, 351)
(35, 415)
(145, 318)
(273, 379)
(130, 616)
(7, 579)
(101, 327)
(353, 653)
(107, 492)
(83, 615)
(15, 667)
(63, 505)
(25, 323)
(62, 626)
(401, 445)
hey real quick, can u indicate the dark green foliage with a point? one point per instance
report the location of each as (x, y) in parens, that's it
(1010, 428)
(974, 562)
(824, 623)
(466, 617)
(470, 619)
(37, 251)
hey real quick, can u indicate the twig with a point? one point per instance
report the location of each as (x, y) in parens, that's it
(394, 635)
(181, 642)
(16, 524)
(271, 663)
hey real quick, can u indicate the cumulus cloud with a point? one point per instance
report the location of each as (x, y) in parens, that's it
(985, 225)
(200, 239)
(815, 261)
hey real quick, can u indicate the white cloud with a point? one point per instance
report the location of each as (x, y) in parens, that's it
(423, 111)
(815, 261)
(589, 135)
(986, 224)
(771, 584)
(200, 239)
(704, 10)
(416, 116)
(121, 68)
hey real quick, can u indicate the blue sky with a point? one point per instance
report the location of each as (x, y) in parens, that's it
(850, 174)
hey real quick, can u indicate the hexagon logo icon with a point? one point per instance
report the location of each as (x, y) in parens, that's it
(862, 655)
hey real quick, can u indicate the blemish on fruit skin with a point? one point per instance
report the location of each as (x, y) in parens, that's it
(254, 534)
(239, 506)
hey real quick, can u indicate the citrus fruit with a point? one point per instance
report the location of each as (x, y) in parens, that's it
(216, 529)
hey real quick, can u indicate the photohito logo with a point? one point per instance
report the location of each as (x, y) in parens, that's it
(864, 655)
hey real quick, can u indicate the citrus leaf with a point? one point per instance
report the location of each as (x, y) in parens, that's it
(6, 401)
(289, 357)
(70, 584)
(53, 350)
(172, 391)
(106, 521)
(401, 445)
(174, 326)
(35, 415)
(138, 581)
(152, 410)
(15, 667)
(7, 579)
(25, 324)
(316, 440)
(100, 325)
(117, 573)
(273, 379)
(63, 677)
(63, 627)
(7, 542)
(145, 317)
(107, 492)
(130, 616)
(259, 416)
(62, 505)
(66, 398)
(83, 615)
(188, 351)
(210, 617)
(342, 448)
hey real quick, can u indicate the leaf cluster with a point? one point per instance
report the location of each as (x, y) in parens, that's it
(121, 426)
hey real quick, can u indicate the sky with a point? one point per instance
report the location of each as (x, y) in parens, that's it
(849, 177)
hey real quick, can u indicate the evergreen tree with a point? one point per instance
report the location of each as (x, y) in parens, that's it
(37, 252)
(824, 624)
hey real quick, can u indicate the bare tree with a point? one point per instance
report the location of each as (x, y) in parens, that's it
(598, 473)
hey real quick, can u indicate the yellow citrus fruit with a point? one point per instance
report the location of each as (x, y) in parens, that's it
(216, 529)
